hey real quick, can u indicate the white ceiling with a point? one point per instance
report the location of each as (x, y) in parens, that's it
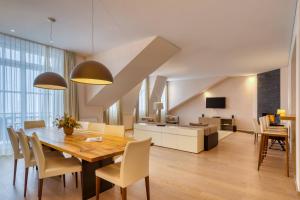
(216, 37)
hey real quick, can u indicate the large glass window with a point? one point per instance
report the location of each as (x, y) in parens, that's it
(20, 62)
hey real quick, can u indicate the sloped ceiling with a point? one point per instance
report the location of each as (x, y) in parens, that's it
(216, 37)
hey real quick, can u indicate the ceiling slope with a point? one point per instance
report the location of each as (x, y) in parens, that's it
(151, 57)
(183, 90)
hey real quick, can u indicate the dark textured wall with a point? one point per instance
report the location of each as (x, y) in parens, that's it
(268, 92)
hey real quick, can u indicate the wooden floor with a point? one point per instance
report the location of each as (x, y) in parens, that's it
(227, 172)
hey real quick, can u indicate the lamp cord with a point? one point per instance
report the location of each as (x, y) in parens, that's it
(93, 48)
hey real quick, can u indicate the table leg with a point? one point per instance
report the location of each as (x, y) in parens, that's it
(89, 178)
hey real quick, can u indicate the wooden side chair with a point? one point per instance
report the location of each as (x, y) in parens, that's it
(263, 149)
(134, 166)
(14, 140)
(34, 124)
(49, 166)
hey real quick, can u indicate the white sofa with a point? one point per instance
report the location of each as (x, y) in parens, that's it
(181, 138)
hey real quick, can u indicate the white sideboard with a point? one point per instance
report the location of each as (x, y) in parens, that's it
(175, 137)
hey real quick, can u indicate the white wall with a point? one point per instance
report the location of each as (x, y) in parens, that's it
(284, 88)
(182, 90)
(241, 95)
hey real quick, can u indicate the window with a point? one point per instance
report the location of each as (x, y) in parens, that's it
(164, 100)
(143, 100)
(20, 62)
(113, 114)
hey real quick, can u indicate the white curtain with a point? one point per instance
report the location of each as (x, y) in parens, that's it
(20, 62)
(143, 100)
(164, 100)
(114, 114)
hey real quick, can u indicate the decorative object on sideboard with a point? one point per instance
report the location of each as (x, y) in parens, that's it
(232, 116)
(158, 106)
(202, 114)
(172, 119)
(91, 72)
(68, 123)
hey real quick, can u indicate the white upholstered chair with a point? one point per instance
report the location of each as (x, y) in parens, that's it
(134, 166)
(14, 140)
(117, 130)
(34, 124)
(256, 130)
(99, 127)
(49, 167)
(84, 126)
(29, 160)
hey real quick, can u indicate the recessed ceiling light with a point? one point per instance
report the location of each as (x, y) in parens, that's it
(12, 30)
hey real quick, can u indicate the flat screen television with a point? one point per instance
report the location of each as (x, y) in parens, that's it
(215, 102)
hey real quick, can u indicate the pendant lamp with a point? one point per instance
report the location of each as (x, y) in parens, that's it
(50, 80)
(91, 72)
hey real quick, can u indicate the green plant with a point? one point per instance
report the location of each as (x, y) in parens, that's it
(66, 121)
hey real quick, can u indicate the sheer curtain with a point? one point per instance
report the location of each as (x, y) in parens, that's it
(143, 100)
(20, 62)
(113, 114)
(164, 100)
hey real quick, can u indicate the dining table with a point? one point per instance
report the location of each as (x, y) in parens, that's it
(93, 154)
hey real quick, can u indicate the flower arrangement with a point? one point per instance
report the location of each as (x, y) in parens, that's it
(68, 123)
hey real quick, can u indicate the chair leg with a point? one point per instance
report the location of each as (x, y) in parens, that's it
(147, 187)
(76, 179)
(97, 187)
(260, 151)
(124, 194)
(40, 189)
(25, 183)
(64, 180)
(287, 149)
(15, 171)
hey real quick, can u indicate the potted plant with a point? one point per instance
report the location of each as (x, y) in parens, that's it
(68, 123)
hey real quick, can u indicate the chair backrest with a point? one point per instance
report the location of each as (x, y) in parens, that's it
(38, 154)
(267, 120)
(84, 125)
(255, 126)
(34, 124)
(135, 163)
(262, 124)
(96, 127)
(118, 130)
(14, 140)
(23, 139)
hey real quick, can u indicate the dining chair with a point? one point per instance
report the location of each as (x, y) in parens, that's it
(50, 167)
(134, 166)
(14, 140)
(265, 121)
(117, 130)
(34, 124)
(256, 130)
(84, 126)
(99, 127)
(29, 160)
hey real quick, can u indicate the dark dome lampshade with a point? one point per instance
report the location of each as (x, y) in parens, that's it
(50, 80)
(91, 72)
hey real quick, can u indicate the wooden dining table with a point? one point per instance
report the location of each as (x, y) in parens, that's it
(93, 155)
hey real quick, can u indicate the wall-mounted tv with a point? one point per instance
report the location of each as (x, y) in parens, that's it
(215, 102)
